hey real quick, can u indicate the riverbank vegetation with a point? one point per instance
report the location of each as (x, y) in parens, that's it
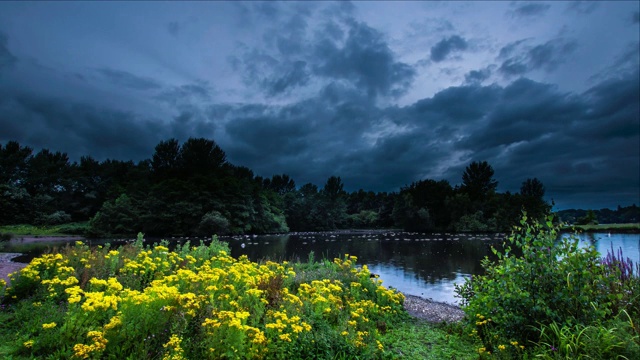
(197, 302)
(617, 228)
(44, 230)
(191, 189)
(540, 298)
(561, 299)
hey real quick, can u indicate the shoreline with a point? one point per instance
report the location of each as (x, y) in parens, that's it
(432, 311)
(28, 239)
(7, 266)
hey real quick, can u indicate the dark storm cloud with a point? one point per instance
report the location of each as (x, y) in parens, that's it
(275, 133)
(564, 139)
(185, 94)
(191, 122)
(529, 9)
(548, 55)
(455, 105)
(477, 76)
(295, 75)
(339, 49)
(6, 57)
(280, 65)
(273, 76)
(446, 46)
(523, 111)
(126, 79)
(526, 129)
(77, 129)
(366, 60)
(301, 138)
(614, 105)
(520, 58)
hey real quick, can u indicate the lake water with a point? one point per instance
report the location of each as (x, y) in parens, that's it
(417, 264)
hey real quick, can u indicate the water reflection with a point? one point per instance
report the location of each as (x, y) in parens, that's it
(416, 264)
(603, 242)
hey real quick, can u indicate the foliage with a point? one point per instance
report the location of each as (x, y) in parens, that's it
(474, 222)
(532, 193)
(588, 219)
(194, 302)
(213, 222)
(537, 280)
(614, 339)
(477, 180)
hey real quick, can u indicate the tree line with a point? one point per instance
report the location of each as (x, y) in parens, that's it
(191, 189)
(621, 215)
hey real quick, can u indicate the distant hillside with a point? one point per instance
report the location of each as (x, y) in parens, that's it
(629, 214)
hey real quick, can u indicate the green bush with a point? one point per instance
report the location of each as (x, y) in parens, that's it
(537, 279)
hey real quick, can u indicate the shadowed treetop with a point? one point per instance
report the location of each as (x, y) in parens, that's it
(477, 180)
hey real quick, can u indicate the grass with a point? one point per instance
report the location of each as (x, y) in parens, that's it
(77, 228)
(418, 339)
(630, 227)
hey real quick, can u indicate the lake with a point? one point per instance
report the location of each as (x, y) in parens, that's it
(417, 264)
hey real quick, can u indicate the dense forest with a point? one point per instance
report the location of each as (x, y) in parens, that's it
(191, 189)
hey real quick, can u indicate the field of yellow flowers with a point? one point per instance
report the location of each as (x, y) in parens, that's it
(195, 302)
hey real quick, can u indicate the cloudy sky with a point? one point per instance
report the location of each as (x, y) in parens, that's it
(379, 93)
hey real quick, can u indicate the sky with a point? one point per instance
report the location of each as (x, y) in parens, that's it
(381, 94)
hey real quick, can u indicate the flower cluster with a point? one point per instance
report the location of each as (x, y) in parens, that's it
(142, 302)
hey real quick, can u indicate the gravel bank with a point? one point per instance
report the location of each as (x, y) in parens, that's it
(7, 266)
(432, 311)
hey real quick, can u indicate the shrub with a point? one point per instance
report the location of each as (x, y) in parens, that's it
(56, 218)
(213, 222)
(536, 279)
